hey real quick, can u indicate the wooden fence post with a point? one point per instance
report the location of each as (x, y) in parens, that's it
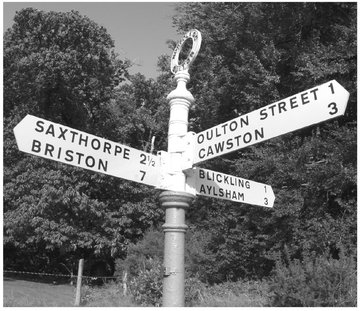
(125, 279)
(79, 283)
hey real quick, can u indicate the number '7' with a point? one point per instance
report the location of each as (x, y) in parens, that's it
(143, 175)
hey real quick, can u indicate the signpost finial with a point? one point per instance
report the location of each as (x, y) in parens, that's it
(195, 35)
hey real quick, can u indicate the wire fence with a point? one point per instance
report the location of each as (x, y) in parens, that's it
(71, 277)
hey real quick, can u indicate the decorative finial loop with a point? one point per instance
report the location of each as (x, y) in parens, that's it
(195, 35)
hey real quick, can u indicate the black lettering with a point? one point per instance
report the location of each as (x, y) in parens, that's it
(39, 127)
(272, 109)
(263, 114)
(36, 146)
(281, 106)
(144, 159)
(333, 107)
(210, 151)
(247, 138)
(127, 154)
(49, 148)
(143, 175)
(69, 156)
(118, 149)
(229, 144)
(219, 147)
(244, 121)
(73, 135)
(331, 86)
(80, 155)
(228, 194)
(215, 193)
(259, 133)
(83, 140)
(304, 98)
(107, 146)
(233, 126)
(90, 163)
(314, 93)
(219, 178)
(202, 155)
(200, 138)
(202, 189)
(241, 183)
(97, 146)
(293, 102)
(50, 130)
(237, 140)
(224, 127)
(59, 152)
(103, 164)
(62, 135)
(217, 132)
(202, 174)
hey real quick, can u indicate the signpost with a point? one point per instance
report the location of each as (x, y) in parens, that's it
(176, 199)
(310, 107)
(222, 186)
(172, 171)
(67, 145)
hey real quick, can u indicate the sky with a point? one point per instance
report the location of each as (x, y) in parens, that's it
(139, 30)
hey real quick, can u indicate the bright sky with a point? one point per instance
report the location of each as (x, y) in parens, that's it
(139, 29)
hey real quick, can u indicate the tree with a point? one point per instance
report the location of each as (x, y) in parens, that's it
(142, 110)
(61, 66)
(254, 54)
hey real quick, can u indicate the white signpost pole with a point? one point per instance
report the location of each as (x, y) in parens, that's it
(176, 200)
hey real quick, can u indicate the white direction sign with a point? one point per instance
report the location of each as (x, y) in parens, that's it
(67, 145)
(312, 106)
(218, 185)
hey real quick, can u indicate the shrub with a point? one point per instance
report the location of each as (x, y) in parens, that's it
(140, 254)
(234, 294)
(194, 290)
(108, 295)
(146, 287)
(315, 282)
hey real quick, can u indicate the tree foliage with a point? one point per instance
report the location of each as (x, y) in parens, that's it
(142, 111)
(254, 54)
(62, 66)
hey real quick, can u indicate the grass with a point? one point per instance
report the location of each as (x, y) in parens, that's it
(230, 294)
(234, 294)
(109, 295)
(20, 293)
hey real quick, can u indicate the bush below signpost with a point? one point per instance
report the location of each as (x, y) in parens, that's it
(315, 282)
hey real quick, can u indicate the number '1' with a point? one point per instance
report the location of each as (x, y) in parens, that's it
(331, 86)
